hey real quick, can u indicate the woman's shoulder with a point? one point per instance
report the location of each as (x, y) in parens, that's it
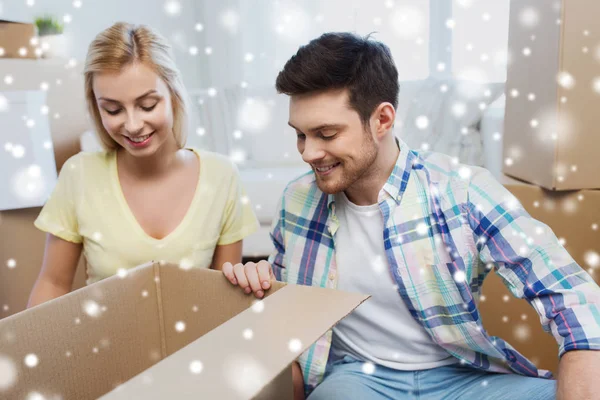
(217, 164)
(87, 163)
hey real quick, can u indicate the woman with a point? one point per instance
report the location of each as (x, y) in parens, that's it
(146, 197)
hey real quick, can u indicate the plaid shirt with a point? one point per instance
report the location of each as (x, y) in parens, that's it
(446, 226)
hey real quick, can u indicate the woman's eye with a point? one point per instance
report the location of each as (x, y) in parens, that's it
(148, 109)
(113, 112)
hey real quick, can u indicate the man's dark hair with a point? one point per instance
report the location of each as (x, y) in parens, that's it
(339, 60)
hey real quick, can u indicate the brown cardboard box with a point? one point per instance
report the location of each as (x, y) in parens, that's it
(573, 216)
(162, 332)
(15, 36)
(553, 140)
(19, 239)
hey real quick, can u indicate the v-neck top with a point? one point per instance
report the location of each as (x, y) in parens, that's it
(87, 206)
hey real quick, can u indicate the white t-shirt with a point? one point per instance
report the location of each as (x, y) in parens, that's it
(381, 330)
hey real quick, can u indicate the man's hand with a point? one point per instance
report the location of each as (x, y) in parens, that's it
(251, 277)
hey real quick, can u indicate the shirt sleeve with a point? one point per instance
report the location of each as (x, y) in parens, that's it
(239, 219)
(534, 265)
(276, 259)
(59, 216)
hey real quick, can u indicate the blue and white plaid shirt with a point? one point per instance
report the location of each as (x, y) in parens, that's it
(446, 225)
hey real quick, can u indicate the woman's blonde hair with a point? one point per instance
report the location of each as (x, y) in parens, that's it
(121, 45)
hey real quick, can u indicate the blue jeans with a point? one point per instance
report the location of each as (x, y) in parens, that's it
(345, 379)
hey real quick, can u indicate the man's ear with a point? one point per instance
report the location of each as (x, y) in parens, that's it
(382, 119)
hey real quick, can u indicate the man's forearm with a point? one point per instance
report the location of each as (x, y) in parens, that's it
(578, 375)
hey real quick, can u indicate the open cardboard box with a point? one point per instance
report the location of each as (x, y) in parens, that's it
(159, 331)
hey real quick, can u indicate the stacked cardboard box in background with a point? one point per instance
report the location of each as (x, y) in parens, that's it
(552, 145)
(16, 39)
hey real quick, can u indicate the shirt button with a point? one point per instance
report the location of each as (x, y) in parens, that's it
(331, 276)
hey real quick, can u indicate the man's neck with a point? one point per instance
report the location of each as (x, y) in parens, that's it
(366, 190)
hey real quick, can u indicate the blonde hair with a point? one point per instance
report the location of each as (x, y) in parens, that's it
(121, 45)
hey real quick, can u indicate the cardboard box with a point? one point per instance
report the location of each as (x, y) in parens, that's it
(553, 138)
(163, 332)
(573, 216)
(15, 36)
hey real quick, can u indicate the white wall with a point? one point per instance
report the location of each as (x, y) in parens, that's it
(95, 15)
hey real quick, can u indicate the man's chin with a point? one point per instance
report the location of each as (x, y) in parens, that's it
(329, 187)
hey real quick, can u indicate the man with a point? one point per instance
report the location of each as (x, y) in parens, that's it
(419, 233)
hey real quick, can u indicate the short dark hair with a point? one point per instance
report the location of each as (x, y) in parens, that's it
(339, 60)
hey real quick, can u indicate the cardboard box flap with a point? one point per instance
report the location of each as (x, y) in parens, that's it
(83, 344)
(195, 301)
(240, 357)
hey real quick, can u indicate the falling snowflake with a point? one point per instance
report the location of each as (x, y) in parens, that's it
(180, 326)
(11, 263)
(91, 308)
(200, 131)
(193, 50)
(378, 264)
(529, 17)
(407, 22)
(596, 85)
(77, 4)
(450, 23)
(230, 20)
(459, 276)
(254, 115)
(565, 80)
(31, 360)
(422, 122)
(237, 156)
(522, 332)
(531, 97)
(208, 50)
(8, 373)
(196, 367)
(295, 345)
(212, 92)
(592, 259)
(173, 7)
(459, 109)
(186, 264)
(258, 306)
(35, 396)
(464, 172)
(8, 79)
(422, 229)
(248, 334)
(121, 272)
(245, 375)
(368, 368)
(505, 319)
